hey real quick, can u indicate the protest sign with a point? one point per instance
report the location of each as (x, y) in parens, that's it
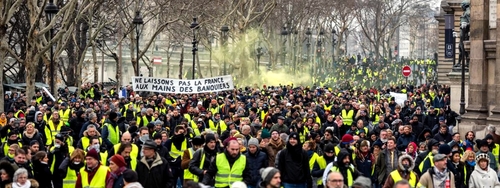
(168, 85)
(399, 98)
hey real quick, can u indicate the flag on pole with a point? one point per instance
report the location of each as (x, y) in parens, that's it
(123, 93)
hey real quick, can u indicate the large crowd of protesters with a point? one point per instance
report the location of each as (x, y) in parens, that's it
(269, 136)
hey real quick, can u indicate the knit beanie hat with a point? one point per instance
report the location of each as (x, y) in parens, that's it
(268, 173)
(253, 141)
(265, 134)
(118, 160)
(93, 153)
(482, 156)
(347, 139)
(444, 149)
(209, 137)
(362, 182)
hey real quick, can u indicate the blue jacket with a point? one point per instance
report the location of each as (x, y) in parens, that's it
(256, 161)
(404, 140)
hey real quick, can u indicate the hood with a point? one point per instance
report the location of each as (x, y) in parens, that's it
(79, 115)
(340, 158)
(421, 135)
(431, 143)
(36, 115)
(400, 162)
(482, 172)
(87, 135)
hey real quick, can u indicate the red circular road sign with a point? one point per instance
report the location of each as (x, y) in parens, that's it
(406, 71)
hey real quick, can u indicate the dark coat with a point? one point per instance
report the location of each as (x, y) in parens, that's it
(158, 175)
(42, 174)
(404, 140)
(257, 160)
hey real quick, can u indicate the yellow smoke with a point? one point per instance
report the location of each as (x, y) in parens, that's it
(240, 56)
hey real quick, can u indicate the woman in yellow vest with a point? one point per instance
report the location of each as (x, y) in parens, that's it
(71, 166)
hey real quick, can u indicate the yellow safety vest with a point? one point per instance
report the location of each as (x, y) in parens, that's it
(174, 152)
(133, 154)
(195, 128)
(16, 115)
(312, 160)
(86, 142)
(495, 151)
(70, 180)
(187, 117)
(70, 148)
(215, 110)
(114, 134)
(6, 147)
(421, 165)
(349, 174)
(65, 115)
(51, 131)
(303, 134)
(187, 174)
(99, 179)
(396, 177)
(322, 165)
(347, 117)
(144, 120)
(227, 175)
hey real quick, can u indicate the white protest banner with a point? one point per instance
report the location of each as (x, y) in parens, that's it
(399, 98)
(168, 85)
(48, 93)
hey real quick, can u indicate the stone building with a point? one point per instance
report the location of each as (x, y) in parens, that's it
(483, 80)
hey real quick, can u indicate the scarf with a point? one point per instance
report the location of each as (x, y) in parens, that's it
(26, 185)
(440, 178)
(113, 176)
(473, 163)
(3, 122)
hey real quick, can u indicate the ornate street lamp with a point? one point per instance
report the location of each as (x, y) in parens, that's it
(308, 45)
(194, 26)
(51, 10)
(137, 23)
(224, 29)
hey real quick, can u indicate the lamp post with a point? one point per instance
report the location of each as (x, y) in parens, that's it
(51, 10)
(294, 59)
(284, 33)
(308, 45)
(194, 26)
(259, 54)
(137, 22)
(319, 44)
(224, 29)
(455, 35)
(333, 45)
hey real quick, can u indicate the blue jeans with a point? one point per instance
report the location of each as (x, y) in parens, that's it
(290, 185)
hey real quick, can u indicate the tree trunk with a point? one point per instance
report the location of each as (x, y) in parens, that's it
(30, 72)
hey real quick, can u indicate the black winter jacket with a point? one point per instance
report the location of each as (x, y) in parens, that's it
(257, 161)
(158, 175)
